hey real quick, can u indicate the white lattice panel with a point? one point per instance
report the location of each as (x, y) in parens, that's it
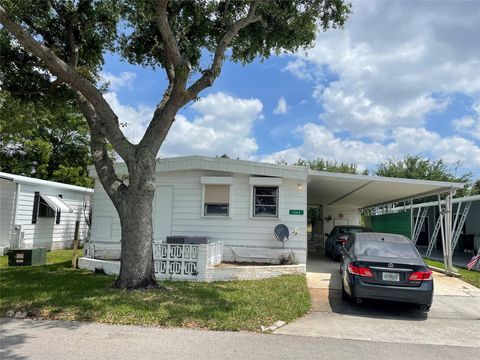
(175, 260)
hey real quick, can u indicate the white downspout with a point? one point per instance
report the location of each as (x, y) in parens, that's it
(14, 219)
(411, 219)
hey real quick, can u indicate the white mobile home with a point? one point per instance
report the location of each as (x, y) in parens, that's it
(236, 202)
(239, 203)
(40, 213)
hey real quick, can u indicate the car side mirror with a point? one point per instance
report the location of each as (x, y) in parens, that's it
(326, 234)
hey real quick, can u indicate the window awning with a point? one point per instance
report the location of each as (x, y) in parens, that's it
(56, 203)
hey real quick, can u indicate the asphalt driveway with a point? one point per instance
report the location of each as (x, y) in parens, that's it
(454, 318)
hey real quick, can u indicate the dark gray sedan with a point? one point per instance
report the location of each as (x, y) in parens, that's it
(338, 236)
(385, 267)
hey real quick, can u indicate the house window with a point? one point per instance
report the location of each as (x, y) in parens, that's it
(265, 201)
(217, 200)
(47, 205)
(44, 210)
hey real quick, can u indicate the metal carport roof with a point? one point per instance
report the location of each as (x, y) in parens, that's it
(361, 191)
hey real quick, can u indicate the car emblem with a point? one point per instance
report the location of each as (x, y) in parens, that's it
(390, 265)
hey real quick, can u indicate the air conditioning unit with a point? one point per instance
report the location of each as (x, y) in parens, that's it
(27, 257)
(189, 240)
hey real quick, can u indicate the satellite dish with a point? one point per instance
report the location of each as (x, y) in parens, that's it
(281, 233)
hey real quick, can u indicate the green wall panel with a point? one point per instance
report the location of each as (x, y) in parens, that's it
(397, 223)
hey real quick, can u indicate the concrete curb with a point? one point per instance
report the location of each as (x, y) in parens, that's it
(442, 271)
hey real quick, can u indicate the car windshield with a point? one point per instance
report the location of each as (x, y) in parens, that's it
(348, 231)
(385, 249)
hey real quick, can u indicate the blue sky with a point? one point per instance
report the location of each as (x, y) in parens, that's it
(401, 78)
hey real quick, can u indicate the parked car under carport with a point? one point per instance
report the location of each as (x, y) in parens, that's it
(338, 236)
(383, 266)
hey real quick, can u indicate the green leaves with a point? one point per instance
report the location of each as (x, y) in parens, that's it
(44, 138)
(330, 166)
(417, 167)
(198, 26)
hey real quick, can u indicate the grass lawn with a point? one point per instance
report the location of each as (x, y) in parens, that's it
(469, 276)
(56, 291)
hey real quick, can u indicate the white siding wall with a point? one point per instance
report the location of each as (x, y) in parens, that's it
(340, 215)
(7, 204)
(46, 233)
(239, 230)
(105, 233)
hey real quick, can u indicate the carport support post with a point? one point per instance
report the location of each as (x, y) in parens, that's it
(447, 250)
(442, 231)
(411, 219)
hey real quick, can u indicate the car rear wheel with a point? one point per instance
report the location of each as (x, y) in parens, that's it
(345, 296)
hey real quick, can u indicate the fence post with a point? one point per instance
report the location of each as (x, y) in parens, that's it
(75, 244)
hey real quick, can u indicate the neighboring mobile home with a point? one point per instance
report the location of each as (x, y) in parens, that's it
(40, 213)
(425, 216)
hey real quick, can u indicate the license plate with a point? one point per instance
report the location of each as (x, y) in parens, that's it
(387, 276)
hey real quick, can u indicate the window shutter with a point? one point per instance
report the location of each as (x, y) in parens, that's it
(36, 203)
(217, 194)
(59, 212)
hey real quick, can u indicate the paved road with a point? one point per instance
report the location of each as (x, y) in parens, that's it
(454, 318)
(30, 339)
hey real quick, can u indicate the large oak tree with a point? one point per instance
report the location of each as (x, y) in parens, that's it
(71, 37)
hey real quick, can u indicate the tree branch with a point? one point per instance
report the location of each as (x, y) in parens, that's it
(212, 73)
(106, 117)
(178, 70)
(170, 44)
(175, 96)
(72, 45)
(103, 163)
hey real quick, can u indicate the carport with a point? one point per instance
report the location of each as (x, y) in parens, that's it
(344, 194)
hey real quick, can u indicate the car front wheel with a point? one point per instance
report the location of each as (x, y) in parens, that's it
(327, 252)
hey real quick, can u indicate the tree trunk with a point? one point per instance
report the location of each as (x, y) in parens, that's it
(137, 269)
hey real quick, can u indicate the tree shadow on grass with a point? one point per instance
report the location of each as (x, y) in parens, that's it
(59, 292)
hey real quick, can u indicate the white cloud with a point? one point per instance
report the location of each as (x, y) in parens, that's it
(282, 106)
(318, 141)
(394, 63)
(300, 68)
(116, 82)
(136, 118)
(225, 125)
(469, 125)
